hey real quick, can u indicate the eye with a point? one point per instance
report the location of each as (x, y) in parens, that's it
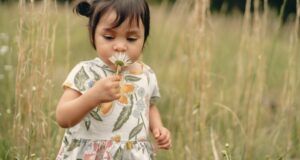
(108, 37)
(131, 39)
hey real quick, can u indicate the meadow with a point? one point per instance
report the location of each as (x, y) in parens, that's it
(230, 84)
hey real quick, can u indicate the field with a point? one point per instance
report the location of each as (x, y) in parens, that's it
(230, 84)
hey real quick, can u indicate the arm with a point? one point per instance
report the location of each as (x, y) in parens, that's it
(161, 134)
(73, 106)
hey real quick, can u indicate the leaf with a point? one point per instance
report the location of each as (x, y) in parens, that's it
(87, 123)
(66, 142)
(135, 130)
(118, 154)
(80, 79)
(95, 115)
(132, 78)
(148, 78)
(96, 75)
(75, 143)
(106, 68)
(124, 116)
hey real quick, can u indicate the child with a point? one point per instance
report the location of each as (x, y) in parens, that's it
(109, 110)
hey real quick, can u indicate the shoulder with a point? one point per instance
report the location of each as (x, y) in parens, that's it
(147, 68)
(89, 63)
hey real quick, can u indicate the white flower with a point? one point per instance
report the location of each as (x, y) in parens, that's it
(4, 36)
(8, 67)
(120, 59)
(3, 50)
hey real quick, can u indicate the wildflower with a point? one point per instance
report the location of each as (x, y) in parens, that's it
(8, 111)
(4, 36)
(33, 88)
(7, 67)
(120, 60)
(3, 50)
(227, 145)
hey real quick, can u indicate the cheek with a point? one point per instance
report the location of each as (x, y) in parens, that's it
(103, 50)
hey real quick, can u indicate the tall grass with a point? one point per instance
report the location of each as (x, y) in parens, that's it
(229, 84)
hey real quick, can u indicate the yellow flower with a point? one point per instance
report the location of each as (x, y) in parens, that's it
(123, 99)
(105, 108)
(116, 138)
(129, 145)
(125, 90)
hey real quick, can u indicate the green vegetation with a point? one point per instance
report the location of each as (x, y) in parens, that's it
(230, 84)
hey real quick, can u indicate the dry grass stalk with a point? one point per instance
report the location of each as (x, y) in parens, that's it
(33, 83)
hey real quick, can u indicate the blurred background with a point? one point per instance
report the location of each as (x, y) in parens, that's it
(228, 71)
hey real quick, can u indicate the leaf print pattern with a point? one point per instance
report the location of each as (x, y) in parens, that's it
(66, 142)
(95, 115)
(124, 116)
(118, 154)
(132, 78)
(75, 143)
(136, 130)
(96, 75)
(87, 123)
(80, 78)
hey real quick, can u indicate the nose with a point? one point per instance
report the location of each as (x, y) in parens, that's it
(120, 47)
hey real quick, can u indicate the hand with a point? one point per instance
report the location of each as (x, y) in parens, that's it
(162, 137)
(106, 89)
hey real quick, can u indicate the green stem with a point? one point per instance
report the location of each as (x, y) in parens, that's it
(118, 69)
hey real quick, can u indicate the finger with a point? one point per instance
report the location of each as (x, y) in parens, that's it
(117, 96)
(163, 135)
(165, 146)
(156, 132)
(164, 141)
(116, 85)
(115, 78)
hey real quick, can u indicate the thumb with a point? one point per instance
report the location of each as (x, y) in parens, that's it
(156, 132)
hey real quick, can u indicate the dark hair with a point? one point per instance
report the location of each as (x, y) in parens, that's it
(132, 9)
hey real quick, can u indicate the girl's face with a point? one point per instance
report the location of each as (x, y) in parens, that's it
(127, 38)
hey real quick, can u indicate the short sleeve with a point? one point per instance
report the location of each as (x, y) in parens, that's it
(78, 79)
(155, 96)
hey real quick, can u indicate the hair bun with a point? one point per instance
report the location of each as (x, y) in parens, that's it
(83, 8)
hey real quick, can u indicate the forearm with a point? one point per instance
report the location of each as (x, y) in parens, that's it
(69, 113)
(154, 117)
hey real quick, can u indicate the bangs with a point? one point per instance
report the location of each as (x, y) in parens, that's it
(128, 9)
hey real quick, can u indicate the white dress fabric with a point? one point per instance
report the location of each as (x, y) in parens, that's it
(118, 130)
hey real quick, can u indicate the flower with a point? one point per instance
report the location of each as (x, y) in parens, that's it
(126, 89)
(3, 50)
(120, 60)
(105, 108)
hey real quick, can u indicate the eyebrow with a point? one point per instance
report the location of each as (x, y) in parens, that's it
(131, 31)
(109, 30)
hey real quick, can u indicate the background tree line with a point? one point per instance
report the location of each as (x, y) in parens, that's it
(227, 6)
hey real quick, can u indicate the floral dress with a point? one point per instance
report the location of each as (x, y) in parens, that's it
(116, 130)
